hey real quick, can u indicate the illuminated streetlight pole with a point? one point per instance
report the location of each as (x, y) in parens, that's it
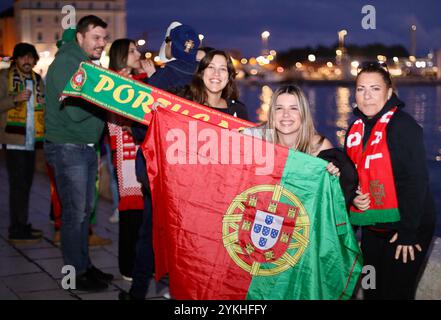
(341, 38)
(413, 29)
(341, 45)
(265, 35)
(201, 37)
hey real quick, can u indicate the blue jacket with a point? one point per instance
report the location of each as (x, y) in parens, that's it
(175, 74)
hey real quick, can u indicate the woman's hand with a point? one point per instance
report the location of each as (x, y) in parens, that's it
(148, 67)
(125, 72)
(156, 105)
(127, 129)
(333, 170)
(405, 250)
(362, 201)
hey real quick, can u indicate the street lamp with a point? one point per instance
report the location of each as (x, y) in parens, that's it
(265, 35)
(201, 37)
(141, 42)
(413, 29)
(341, 38)
(341, 43)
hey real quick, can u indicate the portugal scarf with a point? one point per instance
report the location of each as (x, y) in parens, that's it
(16, 117)
(375, 172)
(129, 189)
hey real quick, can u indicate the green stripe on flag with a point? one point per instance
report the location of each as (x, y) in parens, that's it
(330, 263)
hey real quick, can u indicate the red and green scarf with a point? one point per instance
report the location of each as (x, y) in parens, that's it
(374, 171)
(124, 147)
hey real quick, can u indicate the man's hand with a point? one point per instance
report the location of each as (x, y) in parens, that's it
(23, 96)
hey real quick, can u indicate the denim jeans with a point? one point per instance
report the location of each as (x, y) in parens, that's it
(75, 168)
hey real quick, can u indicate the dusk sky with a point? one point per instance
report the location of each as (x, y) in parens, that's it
(238, 24)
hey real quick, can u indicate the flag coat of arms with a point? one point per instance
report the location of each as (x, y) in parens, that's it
(225, 227)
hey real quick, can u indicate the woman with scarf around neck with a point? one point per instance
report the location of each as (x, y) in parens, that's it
(393, 205)
(125, 59)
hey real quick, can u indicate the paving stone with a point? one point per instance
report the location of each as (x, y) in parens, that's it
(105, 295)
(6, 293)
(103, 259)
(30, 282)
(7, 250)
(52, 266)
(59, 294)
(16, 265)
(42, 253)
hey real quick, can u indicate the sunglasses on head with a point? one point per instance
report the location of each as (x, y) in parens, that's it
(372, 65)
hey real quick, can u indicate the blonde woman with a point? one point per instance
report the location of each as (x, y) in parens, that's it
(290, 124)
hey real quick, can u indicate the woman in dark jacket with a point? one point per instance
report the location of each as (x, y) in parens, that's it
(213, 85)
(393, 205)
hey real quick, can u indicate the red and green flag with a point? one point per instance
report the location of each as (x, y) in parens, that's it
(234, 217)
(233, 222)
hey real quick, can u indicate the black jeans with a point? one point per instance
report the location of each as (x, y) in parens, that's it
(21, 166)
(395, 280)
(129, 224)
(144, 263)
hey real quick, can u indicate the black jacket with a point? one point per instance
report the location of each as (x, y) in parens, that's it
(348, 173)
(176, 73)
(404, 139)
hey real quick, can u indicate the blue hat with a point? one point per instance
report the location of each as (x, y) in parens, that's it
(185, 43)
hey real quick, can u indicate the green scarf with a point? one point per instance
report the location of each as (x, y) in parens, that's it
(16, 117)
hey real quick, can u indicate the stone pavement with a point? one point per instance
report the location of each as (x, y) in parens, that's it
(33, 271)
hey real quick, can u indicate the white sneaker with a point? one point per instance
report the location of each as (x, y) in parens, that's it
(166, 296)
(114, 218)
(127, 278)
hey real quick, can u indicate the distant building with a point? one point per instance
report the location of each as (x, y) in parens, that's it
(39, 23)
(7, 32)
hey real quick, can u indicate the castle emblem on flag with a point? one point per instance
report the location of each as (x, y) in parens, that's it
(260, 229)
(266, 230)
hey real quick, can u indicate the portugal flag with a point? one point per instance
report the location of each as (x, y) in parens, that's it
(238, 218)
